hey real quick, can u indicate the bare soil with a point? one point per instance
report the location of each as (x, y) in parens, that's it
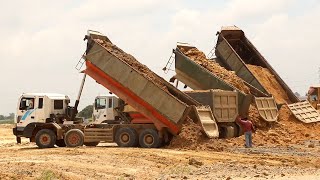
(107, 161)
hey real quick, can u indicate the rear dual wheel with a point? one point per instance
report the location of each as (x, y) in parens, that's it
(45, 138)
(74, 138)
(149, 138)
(126, 137)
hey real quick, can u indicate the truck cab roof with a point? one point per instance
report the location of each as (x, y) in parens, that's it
(49, 95)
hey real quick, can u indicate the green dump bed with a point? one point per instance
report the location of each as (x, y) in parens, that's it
(234, 51)
(199, 78)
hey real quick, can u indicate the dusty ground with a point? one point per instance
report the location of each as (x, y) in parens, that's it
(107, 161)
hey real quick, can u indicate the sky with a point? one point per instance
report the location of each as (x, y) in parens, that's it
(42, 41)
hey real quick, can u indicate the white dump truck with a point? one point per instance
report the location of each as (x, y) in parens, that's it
(37, 113)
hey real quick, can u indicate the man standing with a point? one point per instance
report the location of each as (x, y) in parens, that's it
(248, 128)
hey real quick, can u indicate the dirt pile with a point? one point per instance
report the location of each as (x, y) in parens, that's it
(270, 83)
(288, 130)
(229, 76)
(192, 138)
(129, 59)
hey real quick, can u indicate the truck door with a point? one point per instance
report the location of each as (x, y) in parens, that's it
(100, 112)
(26, 111)
(110, 109)
(39, 112)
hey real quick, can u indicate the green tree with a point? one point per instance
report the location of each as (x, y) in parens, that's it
(1, 117)
(86, 112)
(11, 116)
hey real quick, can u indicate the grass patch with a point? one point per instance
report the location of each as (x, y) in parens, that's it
(47, 175)
(7, 121)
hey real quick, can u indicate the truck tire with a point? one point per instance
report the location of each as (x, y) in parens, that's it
(45, 138)
(126, 137)
(149, 138)
(60, 143)
(74, 138)
(91, 143)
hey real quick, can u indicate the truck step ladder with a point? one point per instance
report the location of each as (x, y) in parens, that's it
(98, 134)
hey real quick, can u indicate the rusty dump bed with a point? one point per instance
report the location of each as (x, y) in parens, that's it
(199, 78)
(133, 82)
(235, 52)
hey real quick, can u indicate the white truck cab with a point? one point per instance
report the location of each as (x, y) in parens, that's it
(39, 108)
(104, 109)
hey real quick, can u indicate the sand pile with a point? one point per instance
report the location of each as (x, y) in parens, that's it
(286, 131)
(229, 76)
(143, 69)
(191, 138)
(270, 83)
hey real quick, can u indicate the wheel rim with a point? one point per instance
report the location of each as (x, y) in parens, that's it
(125, 138)
(45, 139)
(148, 139)
(74, 139)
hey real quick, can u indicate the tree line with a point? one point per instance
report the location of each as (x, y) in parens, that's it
(86, 113)
(3, 117)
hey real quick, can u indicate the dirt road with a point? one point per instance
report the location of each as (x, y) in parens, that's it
(107, 161)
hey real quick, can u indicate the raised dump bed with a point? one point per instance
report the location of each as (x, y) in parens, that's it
(134, 83)
(200, 73)
(199, 78)
(237, 53)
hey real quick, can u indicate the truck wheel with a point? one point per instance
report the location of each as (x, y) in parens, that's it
(126, 137)
(149, 138)
(91, 143)
(74, 138)
(45, 138)
(60, 143)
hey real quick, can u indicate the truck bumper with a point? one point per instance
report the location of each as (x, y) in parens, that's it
(18, 131)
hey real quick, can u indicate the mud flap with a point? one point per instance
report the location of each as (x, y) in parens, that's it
(304, 112)
(267, 108)
(207, 121)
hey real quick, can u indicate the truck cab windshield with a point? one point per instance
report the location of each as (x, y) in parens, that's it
(26, 104)
(101, 103)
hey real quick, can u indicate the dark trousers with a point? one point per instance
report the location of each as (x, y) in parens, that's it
(248, 136)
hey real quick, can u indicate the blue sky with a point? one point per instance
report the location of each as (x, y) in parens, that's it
(42, 41)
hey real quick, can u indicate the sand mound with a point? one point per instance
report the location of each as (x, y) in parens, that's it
(288, 130)
(192, 138)
(270, 83)
(229, 76)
